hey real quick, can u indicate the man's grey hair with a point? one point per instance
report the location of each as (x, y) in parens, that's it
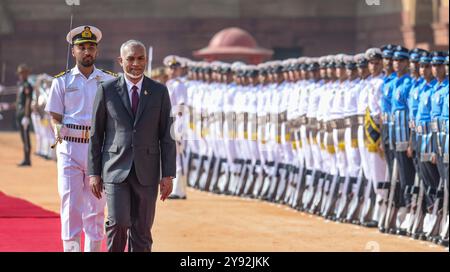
(131, 43)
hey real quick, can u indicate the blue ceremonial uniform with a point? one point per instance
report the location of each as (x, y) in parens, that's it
(445, 122)
(387, 129)
(437, 100)
(424, 105)
(387, 94)
(414, 97)
(401, 88)
(413, 104)
(445, 129)
(428, 171)
(437, 124)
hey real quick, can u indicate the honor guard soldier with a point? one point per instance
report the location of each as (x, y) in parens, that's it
(387, 127)
(70, 104)
(358, 189)
(443, 239)
(353, 158)
(373, 144)
(23, 111)
(438, 130)
(178, 97)
(404, 168)
(413, 102)
(429, 175)
(329, 157)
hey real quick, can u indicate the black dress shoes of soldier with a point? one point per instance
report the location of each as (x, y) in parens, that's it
(176, 197)
(24, 163)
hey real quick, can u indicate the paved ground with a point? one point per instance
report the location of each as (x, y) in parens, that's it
(208, 222)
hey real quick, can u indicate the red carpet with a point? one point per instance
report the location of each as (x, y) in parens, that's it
(26, 227)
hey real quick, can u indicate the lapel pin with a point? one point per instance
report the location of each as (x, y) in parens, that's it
(145, 92)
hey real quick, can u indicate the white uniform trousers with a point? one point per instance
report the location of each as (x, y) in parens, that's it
(341, 159)
(306, 148)
(80, 209)
(352, 154)
(363, 152)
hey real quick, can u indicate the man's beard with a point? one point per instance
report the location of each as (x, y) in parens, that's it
(88, 62)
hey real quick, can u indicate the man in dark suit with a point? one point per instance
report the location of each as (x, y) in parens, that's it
(130, 144)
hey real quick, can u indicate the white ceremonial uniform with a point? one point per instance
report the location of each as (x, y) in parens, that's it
(376, 160)
(199, 108)
(328, 96)
(47, 132)
(213, 135)
(322, 110)
(36, 121)
(303, 110)
(293, 114)
(263, 103)
(315, 92)
(270, 131)
(72, 96)
(337, 113)
(192, 91)
(178, 97)
(289, 155)
(219, 104)
(229, 127)
(350, 110)
(252, 108)
(207, 108)
(240, 106)
(363, 100)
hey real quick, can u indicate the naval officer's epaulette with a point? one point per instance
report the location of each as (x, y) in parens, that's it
(61, 74)
(109, 73)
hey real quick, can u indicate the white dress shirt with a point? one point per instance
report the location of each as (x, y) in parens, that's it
(72, 95)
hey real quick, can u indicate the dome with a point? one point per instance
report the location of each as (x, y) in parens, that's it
(233, 42)
(232, 37)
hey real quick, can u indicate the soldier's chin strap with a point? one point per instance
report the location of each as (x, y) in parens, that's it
(58, 127)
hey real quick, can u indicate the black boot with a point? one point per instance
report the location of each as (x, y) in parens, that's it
(26, 161)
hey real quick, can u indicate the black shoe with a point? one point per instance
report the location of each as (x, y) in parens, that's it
(382, 229)
(371, 224)
(417, 236)
(443, 243)
(401, 232)
(392, 231)
(435, 240)
(176, 197)
(24, 164)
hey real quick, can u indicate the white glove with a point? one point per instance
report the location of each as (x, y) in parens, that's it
(58, 129)
(25, 122)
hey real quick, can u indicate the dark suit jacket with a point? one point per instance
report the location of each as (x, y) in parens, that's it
(118, 139)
